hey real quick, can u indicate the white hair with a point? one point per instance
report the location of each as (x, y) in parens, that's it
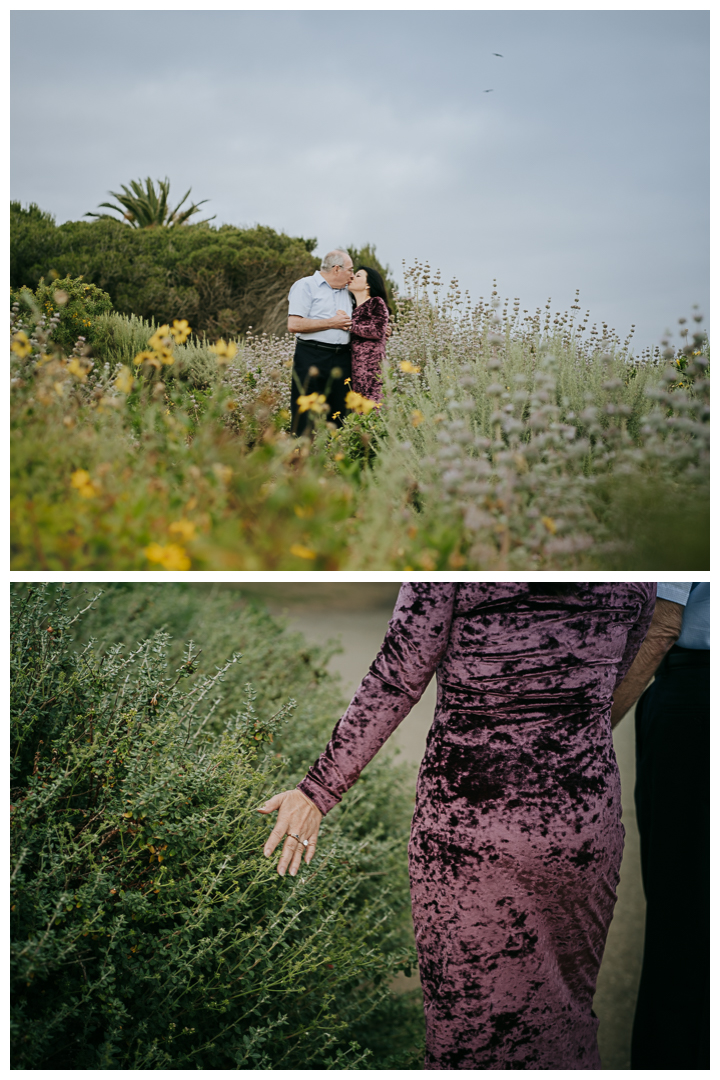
(334, 258)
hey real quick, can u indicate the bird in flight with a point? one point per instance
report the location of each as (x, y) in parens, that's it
(497, 54)
(487, 91)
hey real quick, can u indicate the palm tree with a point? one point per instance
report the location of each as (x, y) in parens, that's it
(146, 209)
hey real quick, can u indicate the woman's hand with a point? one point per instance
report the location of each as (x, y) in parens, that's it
(297, 817)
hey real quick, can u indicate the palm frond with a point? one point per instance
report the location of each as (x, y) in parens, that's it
(147, 208)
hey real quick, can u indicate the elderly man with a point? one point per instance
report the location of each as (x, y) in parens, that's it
(319, 315)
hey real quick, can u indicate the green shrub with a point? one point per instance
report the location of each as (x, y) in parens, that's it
(222, 279)
(148, 931)
(119, 338)
(79, 305)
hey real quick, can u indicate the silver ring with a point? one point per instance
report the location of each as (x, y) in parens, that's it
(303, 842)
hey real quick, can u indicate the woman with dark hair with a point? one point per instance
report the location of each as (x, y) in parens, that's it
(368, 331)
(516, 839)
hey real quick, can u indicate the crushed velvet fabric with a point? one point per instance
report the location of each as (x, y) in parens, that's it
(516, 839)
(367, 345)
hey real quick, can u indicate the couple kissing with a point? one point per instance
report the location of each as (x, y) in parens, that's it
(340, 317)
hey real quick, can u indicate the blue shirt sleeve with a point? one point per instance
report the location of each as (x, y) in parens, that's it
(677, 591)
(300, 298)
(695, 633)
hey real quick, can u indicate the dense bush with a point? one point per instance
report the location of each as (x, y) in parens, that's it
(79, 306)
(119, 339)
(222, 280)
(148, 931)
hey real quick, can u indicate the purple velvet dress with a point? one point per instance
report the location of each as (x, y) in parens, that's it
(367, 346)
(516, 840)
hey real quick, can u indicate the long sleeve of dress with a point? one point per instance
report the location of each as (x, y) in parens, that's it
(413, 647)
(638, 633)
(370, 320)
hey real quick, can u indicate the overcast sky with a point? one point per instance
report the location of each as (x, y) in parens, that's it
(586, 166)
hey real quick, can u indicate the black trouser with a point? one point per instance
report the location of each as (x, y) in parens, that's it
(327, 359)
(672, 796)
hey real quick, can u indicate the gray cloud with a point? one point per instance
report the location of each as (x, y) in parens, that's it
(586, 167)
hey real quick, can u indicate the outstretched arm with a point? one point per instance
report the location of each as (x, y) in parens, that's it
(413, 647)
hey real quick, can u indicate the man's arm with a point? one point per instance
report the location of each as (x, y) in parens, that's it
(298, 325)
(662, 635)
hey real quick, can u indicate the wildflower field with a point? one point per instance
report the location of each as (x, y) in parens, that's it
(506, 439)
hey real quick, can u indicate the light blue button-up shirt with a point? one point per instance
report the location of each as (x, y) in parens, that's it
(695, 598)
(312, 298)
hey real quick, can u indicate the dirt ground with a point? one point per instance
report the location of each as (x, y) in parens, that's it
(358, 615)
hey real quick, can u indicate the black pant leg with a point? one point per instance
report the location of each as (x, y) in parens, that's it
(672, 795)
(324, 382)
(337, 389)
(302, 383)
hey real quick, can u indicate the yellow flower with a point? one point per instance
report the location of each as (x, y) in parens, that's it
(358, 403)
(80, 480)
(302, 552)
(161, 338)
(161, 345)
(124, 381)
(20, 344)
(77, 368)
(170, 557)
(184, 529)
(312, 402)
(147, 357)
(347, 382)
(417, 417)
(406, 365)
(180, 331)
(224, 350)
(549, 525)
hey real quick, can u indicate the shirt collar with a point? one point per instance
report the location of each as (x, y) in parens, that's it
(320, 280)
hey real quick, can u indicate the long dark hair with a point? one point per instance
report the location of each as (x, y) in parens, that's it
(375, 283)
